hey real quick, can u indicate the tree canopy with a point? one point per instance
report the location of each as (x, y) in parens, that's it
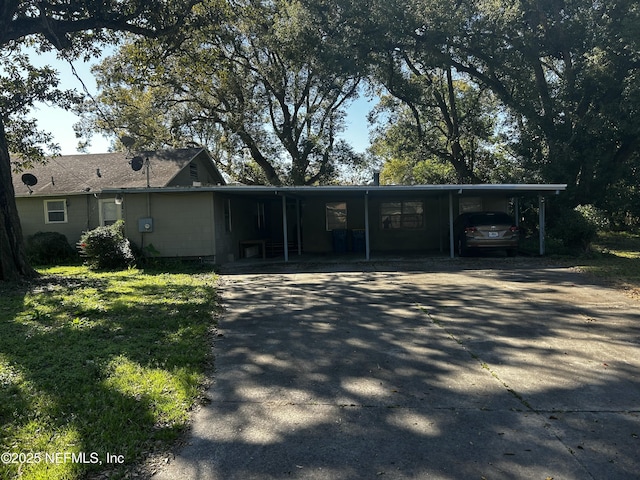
(534, 90)
(73, 28)
(565, 73)
(256, 84)
(438, 129)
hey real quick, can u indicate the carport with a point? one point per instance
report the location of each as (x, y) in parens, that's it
(448, 198)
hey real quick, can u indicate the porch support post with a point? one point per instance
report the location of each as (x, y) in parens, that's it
(516, 210)
(299, 228)
(541, 222)
(440, 221)
(284, 228)
(367, 247)
(451, 242)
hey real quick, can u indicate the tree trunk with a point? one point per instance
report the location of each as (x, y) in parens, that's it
(13, 259)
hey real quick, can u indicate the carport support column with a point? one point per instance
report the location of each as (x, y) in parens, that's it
(367, 246)
(298, 227)
(451, 240)
(284, 228)
(541, 222)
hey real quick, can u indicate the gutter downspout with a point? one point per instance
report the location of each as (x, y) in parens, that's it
(89, 211)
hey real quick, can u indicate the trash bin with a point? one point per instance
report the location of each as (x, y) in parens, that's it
(339, 241)
(358, 241)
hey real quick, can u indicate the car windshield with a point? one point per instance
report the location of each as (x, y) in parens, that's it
(490, 219)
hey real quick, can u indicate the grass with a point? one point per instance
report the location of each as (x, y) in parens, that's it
(93, 364)
(615, 258)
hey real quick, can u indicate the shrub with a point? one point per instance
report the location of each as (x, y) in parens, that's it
(573, 230)
(107, 248)
(595, 215)
(49, 248)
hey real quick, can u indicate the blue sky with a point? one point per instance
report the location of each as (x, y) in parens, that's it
(60, 122)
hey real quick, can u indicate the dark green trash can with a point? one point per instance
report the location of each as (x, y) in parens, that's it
(339, 241)
(358, 241)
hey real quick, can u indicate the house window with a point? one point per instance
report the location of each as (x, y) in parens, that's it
(336, 215)
(227, 216)
(110, 212)
(406, 215)
(55, 211)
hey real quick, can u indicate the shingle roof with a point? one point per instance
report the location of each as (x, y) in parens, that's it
(71, 174)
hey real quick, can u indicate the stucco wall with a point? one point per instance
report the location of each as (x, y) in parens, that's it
(182, 223)
(82, 215)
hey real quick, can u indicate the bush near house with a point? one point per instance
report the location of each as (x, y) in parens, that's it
(106, 248)
(49, 248)
(573, 229)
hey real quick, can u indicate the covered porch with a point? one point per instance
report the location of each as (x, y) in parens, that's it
(372, 220)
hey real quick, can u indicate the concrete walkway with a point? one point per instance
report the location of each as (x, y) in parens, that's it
(495, 369)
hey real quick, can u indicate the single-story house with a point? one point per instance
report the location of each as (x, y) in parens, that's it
(67, 194)
(177, 204)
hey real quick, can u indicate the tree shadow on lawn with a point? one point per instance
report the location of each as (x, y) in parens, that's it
(448, 374)
(95, 373)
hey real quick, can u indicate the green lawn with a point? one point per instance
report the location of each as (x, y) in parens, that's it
(93, 364)
(616, 260)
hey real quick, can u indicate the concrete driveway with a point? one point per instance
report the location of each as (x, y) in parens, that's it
(474, 368)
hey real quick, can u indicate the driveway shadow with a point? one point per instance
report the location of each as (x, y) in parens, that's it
(501, 372)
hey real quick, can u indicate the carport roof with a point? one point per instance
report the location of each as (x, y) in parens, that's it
(474, 189)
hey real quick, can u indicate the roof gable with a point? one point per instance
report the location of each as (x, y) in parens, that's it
(75, 174)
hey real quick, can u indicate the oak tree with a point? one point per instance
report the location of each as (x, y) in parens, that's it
(259, 87)
(73, 28)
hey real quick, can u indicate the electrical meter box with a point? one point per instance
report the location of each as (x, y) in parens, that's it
(145, 225)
